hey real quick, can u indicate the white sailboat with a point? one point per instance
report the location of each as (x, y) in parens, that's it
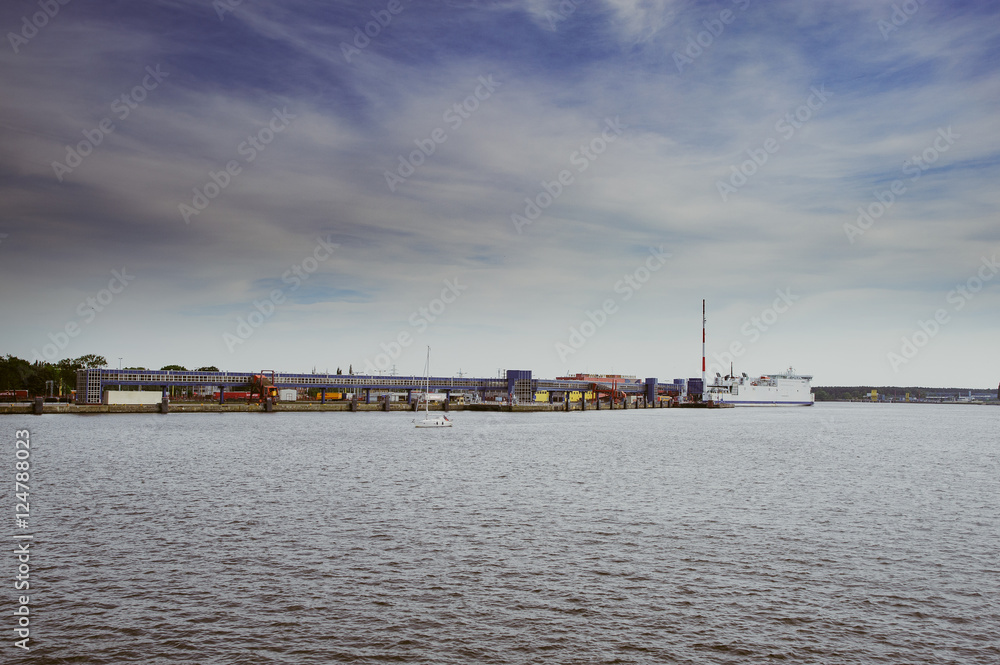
(436, 421)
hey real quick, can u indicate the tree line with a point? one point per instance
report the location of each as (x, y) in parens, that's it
(833, 393)
(19, 374)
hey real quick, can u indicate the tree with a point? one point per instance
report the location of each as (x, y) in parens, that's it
(350, 369)
(14, 373)
(210, 368)
(39, 373)
(173, 368)
(338, 370)
(91, 361)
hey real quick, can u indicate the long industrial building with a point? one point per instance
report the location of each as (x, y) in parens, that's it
(517, 385)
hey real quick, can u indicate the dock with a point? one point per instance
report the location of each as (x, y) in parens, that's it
(39, 408)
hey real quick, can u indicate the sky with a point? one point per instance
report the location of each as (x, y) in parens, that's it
(518, 184)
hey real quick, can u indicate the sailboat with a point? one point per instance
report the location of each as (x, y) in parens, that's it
(436, 421)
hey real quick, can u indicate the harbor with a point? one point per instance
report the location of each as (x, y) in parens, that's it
(134, 390)
(370, 396)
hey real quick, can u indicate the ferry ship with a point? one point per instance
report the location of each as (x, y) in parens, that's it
(784, 389)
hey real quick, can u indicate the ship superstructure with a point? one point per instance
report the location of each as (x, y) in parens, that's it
(783, 389)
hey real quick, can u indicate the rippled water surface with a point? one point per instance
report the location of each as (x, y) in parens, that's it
(842, 533)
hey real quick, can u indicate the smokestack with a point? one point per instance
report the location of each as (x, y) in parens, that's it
(703, 384)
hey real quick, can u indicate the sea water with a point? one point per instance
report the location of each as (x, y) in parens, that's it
(839, 533)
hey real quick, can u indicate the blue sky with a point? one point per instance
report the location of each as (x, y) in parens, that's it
(739, 138)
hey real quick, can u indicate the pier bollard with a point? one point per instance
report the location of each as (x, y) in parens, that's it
(354, 403)
(268, 405)
(385, 404)
(165, 405)
(445, 403)
(416, 404)
(39, 406)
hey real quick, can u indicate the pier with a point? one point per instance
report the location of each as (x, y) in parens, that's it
(233, 406)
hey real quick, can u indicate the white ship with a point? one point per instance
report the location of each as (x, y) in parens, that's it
(784, 389)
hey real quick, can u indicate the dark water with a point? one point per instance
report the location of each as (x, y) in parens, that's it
(832, 534)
